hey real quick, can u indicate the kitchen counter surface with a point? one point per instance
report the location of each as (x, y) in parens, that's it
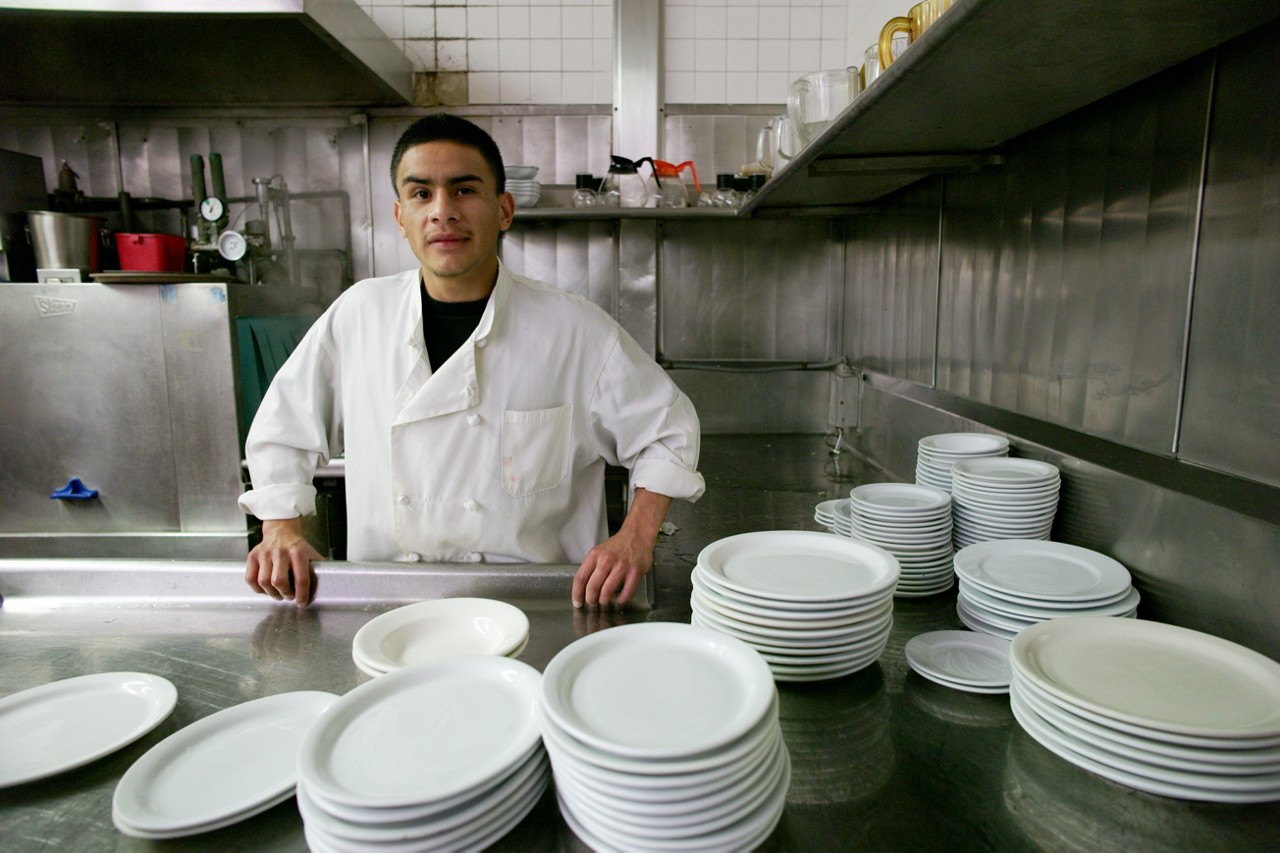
(882, 759)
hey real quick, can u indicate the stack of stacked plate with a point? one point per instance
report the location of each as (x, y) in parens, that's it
(1009, 585)
(935, 454)
(815, 606)
(665, 736)
(1156, 707)
(913, 523)
(523, 188)
(1003, 499)
(440, 756)
(431, 630)
(834, 515)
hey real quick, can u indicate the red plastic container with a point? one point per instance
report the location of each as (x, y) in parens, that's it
(152, 252)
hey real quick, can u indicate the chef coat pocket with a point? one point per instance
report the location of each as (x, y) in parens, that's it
(536, 449)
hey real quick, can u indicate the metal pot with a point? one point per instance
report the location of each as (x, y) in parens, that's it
(65, 240)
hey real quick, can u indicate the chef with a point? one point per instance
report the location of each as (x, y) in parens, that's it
(476, 408)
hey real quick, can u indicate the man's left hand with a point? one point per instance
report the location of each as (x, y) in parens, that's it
(613, 569)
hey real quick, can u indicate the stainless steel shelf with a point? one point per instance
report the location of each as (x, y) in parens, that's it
(613, 213)
(988, 71)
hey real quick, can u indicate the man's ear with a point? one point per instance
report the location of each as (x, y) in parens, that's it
(507, 206)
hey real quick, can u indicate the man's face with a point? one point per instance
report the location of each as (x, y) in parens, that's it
(449, 209)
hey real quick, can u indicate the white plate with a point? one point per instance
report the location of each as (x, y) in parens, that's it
(1003, 471)
(963, 657)
(65, 724)
(789, 620)
(1031, 608)
(1153, 675)
(848, 606)
(793, 565)
(657, 690)
(975, 622)
(422, 734)
(749, 631)
(1043, 570)
(218, 770)
(443, 628)
(899, 500)
(964, 444)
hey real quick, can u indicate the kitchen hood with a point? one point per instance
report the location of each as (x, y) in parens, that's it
(197, 53)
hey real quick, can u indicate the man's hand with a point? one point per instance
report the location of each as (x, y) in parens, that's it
(280, 566)
(613, 569)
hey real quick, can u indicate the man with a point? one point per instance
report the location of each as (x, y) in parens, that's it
(476, 408)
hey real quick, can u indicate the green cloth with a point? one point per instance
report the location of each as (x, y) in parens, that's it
(264, 344)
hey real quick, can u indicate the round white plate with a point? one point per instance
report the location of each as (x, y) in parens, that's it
(1030, 608)
(423, 734)
(764, 614)
(443, 628)
(1043, 570)
(899, 500)
(750, 631)
(975, 622)
(964, 444)
(65, 724)
(657, 690)
(793, 565)
(218, 770)
(1158, 676)
(1003, 471)
(963, 657)
(846, 606)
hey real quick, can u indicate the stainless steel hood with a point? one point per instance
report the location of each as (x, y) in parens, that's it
(197, 53)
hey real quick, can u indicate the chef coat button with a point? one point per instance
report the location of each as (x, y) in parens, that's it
(473, 420)
(470, 504)
(403, 500)
(480, 342)
(472, 557)
(413, 557)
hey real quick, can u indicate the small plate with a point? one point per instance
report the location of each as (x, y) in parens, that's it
(961, 658)
(442, 628)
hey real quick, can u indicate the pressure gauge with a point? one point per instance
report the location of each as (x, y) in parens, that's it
(232, 245)
(211, 209)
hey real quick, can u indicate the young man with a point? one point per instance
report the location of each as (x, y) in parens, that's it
(476, 408)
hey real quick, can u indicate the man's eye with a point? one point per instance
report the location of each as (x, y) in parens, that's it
(466, 190)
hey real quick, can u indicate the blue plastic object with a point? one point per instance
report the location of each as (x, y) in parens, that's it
(74, 490)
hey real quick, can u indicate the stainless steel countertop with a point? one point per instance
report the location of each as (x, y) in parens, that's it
(881, 759)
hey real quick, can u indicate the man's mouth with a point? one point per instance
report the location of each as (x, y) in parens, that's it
(446, 240)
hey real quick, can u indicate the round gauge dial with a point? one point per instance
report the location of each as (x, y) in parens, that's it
(232, 245)
(211, 208)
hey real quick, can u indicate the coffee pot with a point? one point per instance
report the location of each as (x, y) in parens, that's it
(668, 188)
(623, 186)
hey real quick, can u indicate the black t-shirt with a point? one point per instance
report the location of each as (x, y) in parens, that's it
(447, 325)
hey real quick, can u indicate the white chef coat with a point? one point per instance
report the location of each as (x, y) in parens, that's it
(498, 455)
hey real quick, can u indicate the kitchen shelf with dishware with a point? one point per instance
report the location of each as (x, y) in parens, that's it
(985, 72)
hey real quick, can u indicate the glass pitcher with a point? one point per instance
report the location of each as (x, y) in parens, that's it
(623, 186)
(668, 188)
(816, 99)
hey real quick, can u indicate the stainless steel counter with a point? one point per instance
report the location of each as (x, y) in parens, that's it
(882, 759)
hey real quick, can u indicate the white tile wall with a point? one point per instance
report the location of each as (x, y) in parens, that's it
(561, 51)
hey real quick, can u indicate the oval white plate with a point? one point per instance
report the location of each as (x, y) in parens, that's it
(1002, 471)
(792, 565)
(218, 770)
(442, 628)
(66, 724)
(1043, 570)
(964, 444)
(657, 690)
(964, 657)
(899, 500)
(423, 734)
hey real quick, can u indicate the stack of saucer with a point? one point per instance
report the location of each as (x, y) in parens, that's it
(443, 755)
(1009, 585)
(913, 523)
(665, 736)
(1003, 499)
(935, 454)
(834, 515)
(442, 628)
(815, 606)
(523, 188)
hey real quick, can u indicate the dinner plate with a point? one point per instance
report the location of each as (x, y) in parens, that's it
(792, 565)
(856, 604)
(1004, 471)
(788, 620)
(1030, 608)
(794, 636)
(219, 770)
(1158, 676)
(899, 500)
(66, 724)
(963, 444)
(975, 622)
(424, 733)
(962, 657)
(657, 690)
(442, 628)
(1044, 570)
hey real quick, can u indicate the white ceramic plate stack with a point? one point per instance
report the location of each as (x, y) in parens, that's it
(665, 736)
(1009, 585)
(440, 756)
(835, 516)
(1003, 499)
(522, 186)
(913, 523)
(935, 454)
(219, 770)
(962, 660)
(1156, 707)
(437, 629)
(815, 606)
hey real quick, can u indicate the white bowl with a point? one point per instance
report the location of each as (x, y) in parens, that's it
(521, 173)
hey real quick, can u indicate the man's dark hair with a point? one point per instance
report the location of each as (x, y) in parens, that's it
(442, 127)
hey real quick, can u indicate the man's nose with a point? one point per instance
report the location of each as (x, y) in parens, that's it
(443, 208)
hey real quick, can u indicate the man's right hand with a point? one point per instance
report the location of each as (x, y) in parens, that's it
(280, 565)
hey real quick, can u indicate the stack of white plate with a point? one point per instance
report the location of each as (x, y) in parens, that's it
(1159, 708)
(1009, 585)
(665, 737)
(935, 454)
(443, 628)
(961, 660)
(834, 515)
(219, 770)
(440, 756)
(1003, 499)
(913, 523)
(815, 606)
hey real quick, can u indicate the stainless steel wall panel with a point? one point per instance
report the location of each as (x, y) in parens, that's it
(1231, 419)
(791, 401)
(715, 143)
(638, 281)
(580, 257)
